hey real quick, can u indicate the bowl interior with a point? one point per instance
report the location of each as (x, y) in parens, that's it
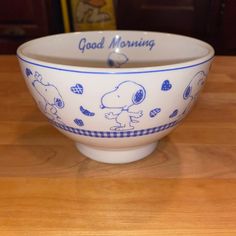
(116, 49)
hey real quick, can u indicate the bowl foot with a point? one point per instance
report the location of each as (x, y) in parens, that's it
(116, 156)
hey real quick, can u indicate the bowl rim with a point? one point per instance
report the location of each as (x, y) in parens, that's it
(106, 70)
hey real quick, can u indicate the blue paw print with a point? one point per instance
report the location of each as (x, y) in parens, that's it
(78, 89)
(174, 113)
(79, 122)
(166, 85)
(59, 103)
(154, 112)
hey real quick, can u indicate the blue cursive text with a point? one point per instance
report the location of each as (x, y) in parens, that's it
(118, 42)
(86, 45)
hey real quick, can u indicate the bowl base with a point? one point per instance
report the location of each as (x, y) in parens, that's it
(116, 156)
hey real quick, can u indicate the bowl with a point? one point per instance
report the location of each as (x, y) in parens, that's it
(115, 93)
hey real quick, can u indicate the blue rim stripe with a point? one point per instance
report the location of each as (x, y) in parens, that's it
(110, 72)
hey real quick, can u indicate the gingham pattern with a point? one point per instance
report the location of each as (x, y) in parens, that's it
(115, 134)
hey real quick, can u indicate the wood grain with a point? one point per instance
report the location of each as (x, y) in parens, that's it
(186, 187)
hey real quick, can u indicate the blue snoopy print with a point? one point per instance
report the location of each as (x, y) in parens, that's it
(116, 59)
(193, 89)
(50, 99)
(126, 95)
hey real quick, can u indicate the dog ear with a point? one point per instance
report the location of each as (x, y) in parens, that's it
(138, 96)
(187, 92)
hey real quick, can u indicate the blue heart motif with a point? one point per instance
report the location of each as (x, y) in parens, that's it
(166, 85)
(174, 113)
(79, 122)
(77, 89)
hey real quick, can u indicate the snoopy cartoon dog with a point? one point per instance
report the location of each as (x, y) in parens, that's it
(49, 98)
(193, 89)
(123, 97)
(116, 59)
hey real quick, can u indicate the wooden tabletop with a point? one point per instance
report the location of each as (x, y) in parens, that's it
(186, 187)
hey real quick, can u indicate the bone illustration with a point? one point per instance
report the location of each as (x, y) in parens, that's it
(49, 99)
(126, 95)
(193, 89)
(116, 59)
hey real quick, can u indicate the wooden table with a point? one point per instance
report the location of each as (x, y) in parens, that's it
(186, 187)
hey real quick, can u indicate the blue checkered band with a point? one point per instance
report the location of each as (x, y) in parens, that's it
(115, 134)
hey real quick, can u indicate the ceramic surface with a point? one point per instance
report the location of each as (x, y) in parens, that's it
(115, 93)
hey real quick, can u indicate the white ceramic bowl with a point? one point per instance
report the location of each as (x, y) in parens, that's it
(115, 93)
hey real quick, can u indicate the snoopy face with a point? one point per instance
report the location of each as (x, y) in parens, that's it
(49, 92)
(116, 59)
(125, 95)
